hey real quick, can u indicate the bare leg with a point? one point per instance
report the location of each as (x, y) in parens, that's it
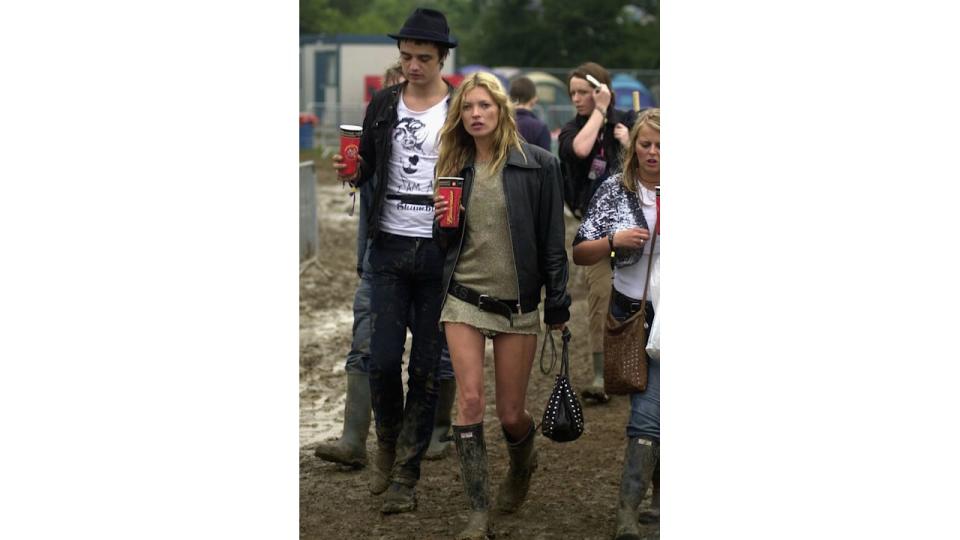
(513, 359)
(466, 353)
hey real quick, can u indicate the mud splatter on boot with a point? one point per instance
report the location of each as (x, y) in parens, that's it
(381, 467)
(640, 458)
(523, 461)
(351, 448)
(651, 514)
(440, 440)
(472, 450)
(399, 498)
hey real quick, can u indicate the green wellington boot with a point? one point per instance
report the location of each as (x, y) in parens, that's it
(523, 461)
(473, 470)
(440, 440)
(399, 498)
(381, 467)
(351, 448)
(594, 392)
(640, 458)
(651, 514)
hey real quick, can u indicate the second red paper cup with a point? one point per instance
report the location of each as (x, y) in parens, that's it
(450, 188)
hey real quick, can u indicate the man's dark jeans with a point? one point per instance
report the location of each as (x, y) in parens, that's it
(405, 272)
(358, 359)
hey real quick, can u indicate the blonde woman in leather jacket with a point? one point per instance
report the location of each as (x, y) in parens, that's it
(508, 246)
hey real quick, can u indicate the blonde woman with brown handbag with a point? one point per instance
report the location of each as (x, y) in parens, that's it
(621, 222)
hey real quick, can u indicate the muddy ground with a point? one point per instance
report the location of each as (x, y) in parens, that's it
(572, 495)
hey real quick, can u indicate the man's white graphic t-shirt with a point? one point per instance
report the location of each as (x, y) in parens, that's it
(408, 207)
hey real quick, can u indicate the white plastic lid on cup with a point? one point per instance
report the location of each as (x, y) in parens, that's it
(450, 181)
(351, 130)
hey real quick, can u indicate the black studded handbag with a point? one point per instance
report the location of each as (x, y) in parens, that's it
(563, 417)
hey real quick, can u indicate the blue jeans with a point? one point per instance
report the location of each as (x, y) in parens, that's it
(405, 272)
(358, 358)
(644, 406)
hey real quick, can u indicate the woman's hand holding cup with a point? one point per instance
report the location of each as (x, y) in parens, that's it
(440, 206)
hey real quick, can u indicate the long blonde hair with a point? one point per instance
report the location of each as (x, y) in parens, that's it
(631, 165)
(457, 147)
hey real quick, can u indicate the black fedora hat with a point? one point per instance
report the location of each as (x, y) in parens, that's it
(426, 25)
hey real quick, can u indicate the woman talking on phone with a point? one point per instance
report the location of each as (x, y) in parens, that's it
(590, 148)
(506, 248)
(621, 220)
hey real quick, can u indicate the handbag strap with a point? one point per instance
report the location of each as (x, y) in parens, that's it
(565, 354)
(646, 283)
(548, 336)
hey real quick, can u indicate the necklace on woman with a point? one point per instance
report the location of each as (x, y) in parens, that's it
(647, 194)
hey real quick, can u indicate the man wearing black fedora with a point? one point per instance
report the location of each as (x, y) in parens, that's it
(398, 153)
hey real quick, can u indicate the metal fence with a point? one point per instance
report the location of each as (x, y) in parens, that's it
(331, 115)
(309, 232)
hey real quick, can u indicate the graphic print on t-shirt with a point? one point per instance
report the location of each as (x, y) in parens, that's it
(410, 133)
(408, 205)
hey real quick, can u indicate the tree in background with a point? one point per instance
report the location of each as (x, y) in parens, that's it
(530, 33)
(357, 16)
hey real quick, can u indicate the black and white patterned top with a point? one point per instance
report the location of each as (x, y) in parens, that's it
(612, 209)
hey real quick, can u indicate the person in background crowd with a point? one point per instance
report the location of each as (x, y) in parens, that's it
(524, 95)
(398, 151)
(508, 247)
(589, 146)
(393, 75)
(621, 218)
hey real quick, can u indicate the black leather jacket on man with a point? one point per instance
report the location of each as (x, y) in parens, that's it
(532, 191)
(376, 145)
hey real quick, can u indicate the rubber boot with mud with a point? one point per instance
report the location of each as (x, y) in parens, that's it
(351, 448)
(399, 498)
(640, 459)
(651, 514)
(594, 392)
(381, 467)
(473, 470)
(523, 461)
(440, 440)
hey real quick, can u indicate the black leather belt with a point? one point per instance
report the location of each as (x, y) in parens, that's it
(411, 199)
(626, 303)
(485, 302)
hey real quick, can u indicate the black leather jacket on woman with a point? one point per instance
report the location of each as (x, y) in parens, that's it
(532, 189)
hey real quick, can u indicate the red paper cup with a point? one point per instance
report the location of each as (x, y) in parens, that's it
(350, 148)
(450, 188)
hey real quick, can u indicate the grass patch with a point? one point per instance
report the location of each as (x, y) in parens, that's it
(316, 154)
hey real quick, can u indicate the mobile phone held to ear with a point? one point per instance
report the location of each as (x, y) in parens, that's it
(593, 81)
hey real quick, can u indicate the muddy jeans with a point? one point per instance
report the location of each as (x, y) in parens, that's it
(405, 272)
(358, 358)
(644, 406)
